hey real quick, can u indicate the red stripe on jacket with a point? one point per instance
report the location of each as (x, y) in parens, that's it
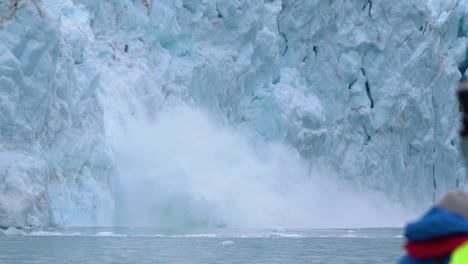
(435, 247)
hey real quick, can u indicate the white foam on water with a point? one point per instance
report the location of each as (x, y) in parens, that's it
(108, 234)
(47, 233)
(225, 235)
(355, 236)
(286, 235)
(197, 235)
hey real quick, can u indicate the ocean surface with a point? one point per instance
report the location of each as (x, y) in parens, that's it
(253, 246)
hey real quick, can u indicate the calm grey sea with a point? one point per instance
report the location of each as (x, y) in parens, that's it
(253, 246)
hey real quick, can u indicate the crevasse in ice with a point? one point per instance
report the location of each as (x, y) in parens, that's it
(363, 87)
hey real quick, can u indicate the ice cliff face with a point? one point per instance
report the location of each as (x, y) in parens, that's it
(363, 87)
(55, 168)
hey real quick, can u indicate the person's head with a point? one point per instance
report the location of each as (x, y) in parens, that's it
(455, 201)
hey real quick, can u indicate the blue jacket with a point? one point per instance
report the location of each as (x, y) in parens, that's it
(436, 223)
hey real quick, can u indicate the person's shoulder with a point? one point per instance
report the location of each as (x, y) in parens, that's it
(437, 222)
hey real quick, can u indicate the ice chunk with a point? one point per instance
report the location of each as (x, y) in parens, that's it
(11, 231)
(279, 230)
(227, 243)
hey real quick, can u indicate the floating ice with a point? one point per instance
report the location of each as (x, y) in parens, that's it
(227, 243)
(279, 229)
(11, 231)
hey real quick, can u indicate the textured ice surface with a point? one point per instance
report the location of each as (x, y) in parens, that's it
(11, 231)
(363, 87)
(55, 167)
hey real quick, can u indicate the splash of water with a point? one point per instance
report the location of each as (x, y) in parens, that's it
(185, 170)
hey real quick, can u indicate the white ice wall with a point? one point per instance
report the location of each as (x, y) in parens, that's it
(365, 87)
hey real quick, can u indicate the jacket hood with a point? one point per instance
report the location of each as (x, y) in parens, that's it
(436, 223)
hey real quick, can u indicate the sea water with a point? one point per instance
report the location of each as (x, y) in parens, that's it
(149, 245)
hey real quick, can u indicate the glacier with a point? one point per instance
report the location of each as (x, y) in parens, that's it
(228, 112)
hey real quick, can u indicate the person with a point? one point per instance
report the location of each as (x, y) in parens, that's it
(441, 235)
